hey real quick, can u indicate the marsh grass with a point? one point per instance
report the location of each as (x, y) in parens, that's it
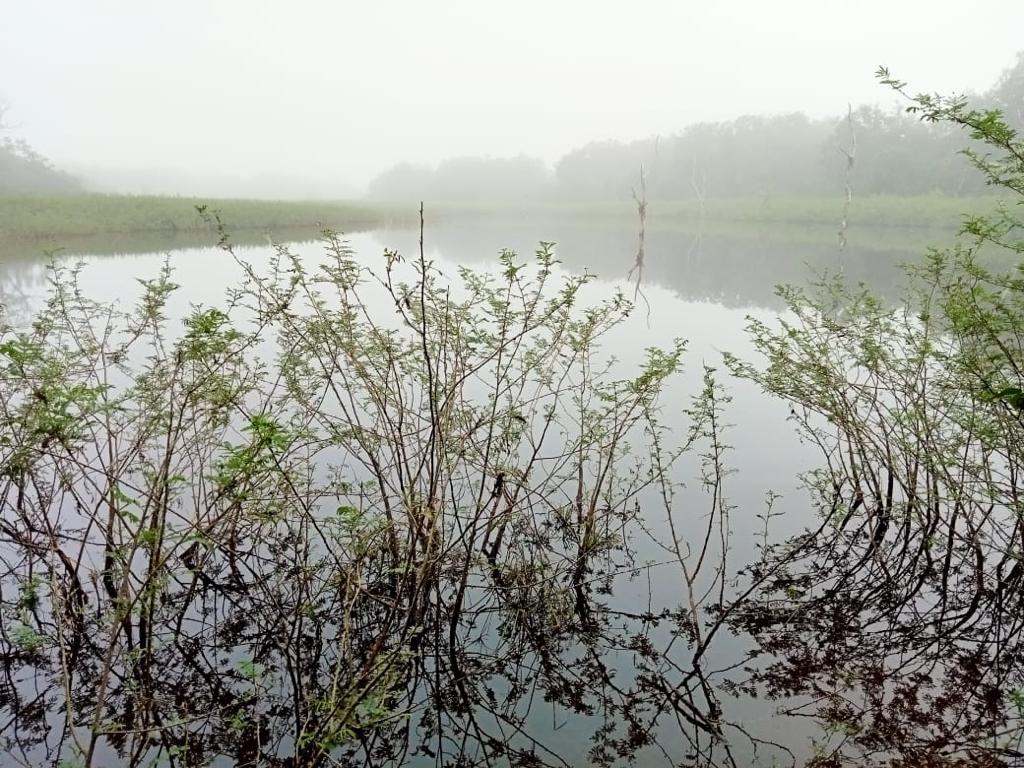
(29, 217)
(921, 211)
(25, 217)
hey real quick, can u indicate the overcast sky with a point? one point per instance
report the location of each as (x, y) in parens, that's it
(342, 90)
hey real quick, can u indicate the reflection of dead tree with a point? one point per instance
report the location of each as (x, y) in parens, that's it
(851, 156)
(638, 263)
(698, 183)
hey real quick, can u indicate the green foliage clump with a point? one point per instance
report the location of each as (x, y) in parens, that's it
(916, 408)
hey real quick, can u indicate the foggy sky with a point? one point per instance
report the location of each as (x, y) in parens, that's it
(338, 91)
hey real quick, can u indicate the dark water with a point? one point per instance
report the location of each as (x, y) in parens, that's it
(258, 656)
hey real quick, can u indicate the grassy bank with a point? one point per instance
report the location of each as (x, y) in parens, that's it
(35, 217)
(923, 211)
(926, 212)
(29, 223)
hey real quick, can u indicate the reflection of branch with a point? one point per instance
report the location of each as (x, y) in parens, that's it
(698, 185)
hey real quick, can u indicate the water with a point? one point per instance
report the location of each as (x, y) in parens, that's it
(234, 673)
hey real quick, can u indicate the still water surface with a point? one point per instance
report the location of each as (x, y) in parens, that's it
(703, 288)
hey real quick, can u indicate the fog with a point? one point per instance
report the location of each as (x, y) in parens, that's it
(314, 99)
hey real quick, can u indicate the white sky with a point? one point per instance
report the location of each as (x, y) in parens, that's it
(345, 89)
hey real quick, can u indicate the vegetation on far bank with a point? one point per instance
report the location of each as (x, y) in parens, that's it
(916, 211)
(57, 218)
(46, 217)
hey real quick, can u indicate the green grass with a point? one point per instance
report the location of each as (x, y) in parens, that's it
(31, 223)
(54, 218)
(924, 211)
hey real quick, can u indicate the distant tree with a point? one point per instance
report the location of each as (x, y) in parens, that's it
(899, 155)
(23, 170)
(404, 181)
(465, 179)
(473, 178)
(752, 156)
(1007, 95)
(601, 170)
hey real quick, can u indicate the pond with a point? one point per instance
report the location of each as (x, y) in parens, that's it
(154, 621)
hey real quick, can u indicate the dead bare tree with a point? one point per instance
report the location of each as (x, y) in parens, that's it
(851, 157)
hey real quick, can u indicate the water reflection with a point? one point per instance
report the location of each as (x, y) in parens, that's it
(737, 268)
(732, 268)
(271, 630)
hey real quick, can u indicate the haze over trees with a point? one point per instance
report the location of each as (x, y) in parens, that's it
(22, 169)
(1007, 95)
(892, 153)
(757, 156)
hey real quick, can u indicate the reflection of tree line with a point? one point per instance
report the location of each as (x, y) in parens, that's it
(733, 270)
(740, 270)
(23, 263)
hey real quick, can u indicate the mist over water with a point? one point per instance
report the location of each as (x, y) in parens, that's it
(535, 384)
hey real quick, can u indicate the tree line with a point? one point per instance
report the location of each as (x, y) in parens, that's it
(876, 150)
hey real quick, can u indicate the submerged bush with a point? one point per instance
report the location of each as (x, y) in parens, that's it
(347, 514)
(376, 516)
(900, 615)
